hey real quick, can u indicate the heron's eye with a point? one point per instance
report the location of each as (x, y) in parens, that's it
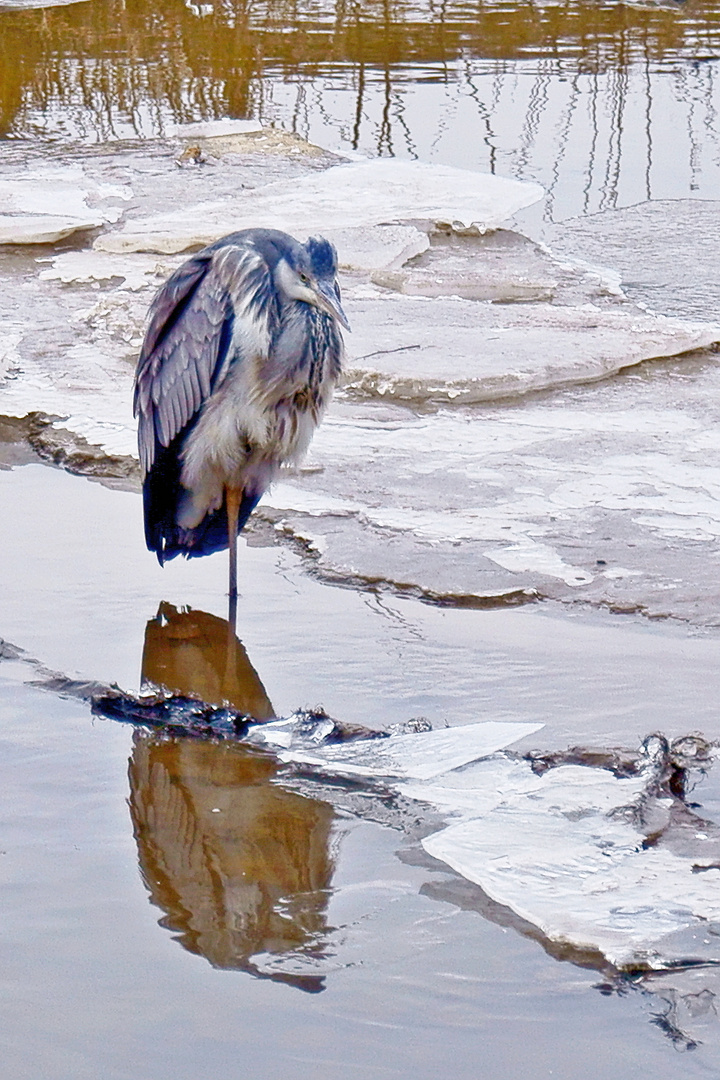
(304, 278)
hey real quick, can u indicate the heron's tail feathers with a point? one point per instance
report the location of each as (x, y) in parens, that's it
(211, 534)
(162, 492)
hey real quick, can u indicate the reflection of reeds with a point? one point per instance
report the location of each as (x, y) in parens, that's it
(134, 63)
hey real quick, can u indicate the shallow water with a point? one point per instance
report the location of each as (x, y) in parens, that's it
(403, 971)
(175, 907)
(605, 104)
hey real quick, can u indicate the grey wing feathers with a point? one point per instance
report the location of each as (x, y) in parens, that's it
(185, 351)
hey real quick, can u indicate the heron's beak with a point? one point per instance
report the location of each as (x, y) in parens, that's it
(327, 300)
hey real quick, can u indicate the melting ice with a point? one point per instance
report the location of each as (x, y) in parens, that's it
(463, 456)
(599, 861)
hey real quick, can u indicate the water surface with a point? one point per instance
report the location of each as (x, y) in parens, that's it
(174, 908)
(606, 104)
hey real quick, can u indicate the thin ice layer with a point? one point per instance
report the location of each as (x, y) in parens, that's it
(356, 195)
(405, 756)
(564, 852)
(671, 263)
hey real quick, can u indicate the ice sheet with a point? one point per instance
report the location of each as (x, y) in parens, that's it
(419, 756)
(565, 851)
(212, 129)
(356, 195)
(136, 272)
(376, 247)
(47, 203)
(598, 862)
(27, 4)
(417, 349)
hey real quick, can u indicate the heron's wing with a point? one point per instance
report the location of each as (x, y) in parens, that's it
(220, 296)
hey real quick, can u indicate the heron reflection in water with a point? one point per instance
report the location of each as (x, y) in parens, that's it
(240, 866)
(240, 358)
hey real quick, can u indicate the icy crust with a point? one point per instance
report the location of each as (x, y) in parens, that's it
(356, 195)
(46, 204)
(463, 351)
(563, 852)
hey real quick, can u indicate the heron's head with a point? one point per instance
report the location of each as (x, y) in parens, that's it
(309, 273)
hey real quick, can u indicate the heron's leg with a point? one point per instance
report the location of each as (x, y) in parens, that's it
(233, 497)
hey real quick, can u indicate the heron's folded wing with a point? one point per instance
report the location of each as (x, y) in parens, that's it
(216, 298)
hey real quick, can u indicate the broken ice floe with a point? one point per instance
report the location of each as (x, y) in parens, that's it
(464, 351)
(48, 203)
(134, 272)
(567, 852)
(377, 247)
(355, 195)
(413, 755)
(599, 851)
(503, 266)
(601, 861)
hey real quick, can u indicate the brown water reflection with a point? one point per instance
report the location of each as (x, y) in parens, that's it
(137, 65)
(240, 866)
(606, 104)
(197, 654)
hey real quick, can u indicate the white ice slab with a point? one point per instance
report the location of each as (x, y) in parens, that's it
(413, 756)
(377, 247)
(559, 852)
(44, 205)
(451, 350)
(79, 267)
(212, 129)
(43, 228)
(359, 194)
(28, 4)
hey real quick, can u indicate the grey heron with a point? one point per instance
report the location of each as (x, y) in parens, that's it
(240, 358)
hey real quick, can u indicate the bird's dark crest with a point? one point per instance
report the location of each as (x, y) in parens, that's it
(323, 257)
